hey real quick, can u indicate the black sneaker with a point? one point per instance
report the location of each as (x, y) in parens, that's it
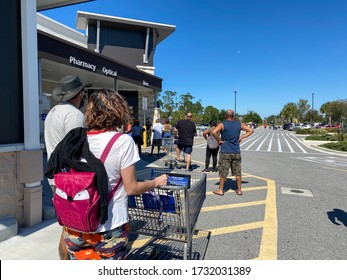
(205, 170)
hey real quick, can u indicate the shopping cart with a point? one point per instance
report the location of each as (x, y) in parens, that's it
(169, 212)
(169, 159)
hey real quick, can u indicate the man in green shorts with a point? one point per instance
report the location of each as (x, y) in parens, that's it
(230, 153)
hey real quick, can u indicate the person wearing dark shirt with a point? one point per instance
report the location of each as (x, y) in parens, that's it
(212, 147)
(230, 154)
(186, 131)
(148, 132)
(137, 132)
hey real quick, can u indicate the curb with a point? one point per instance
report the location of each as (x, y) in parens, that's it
(322, 149)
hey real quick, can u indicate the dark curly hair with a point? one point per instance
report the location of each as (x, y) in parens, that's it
(106, 109)
(213, 123)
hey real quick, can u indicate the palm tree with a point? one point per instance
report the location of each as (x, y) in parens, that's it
(290, 111)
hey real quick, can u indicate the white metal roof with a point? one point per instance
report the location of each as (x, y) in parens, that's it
(85, 18)
(50, 4)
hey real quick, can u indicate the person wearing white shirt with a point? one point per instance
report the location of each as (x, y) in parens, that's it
(157, 136)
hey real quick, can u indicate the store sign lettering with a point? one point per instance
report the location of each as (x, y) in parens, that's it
(75, 61)
(109, 72)
(145, 83)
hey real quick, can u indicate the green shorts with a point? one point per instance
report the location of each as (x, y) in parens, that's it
(232, 161)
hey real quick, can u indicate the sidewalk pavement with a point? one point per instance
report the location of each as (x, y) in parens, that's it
(40, 242)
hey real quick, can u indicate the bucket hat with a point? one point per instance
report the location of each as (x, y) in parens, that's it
(67, 89)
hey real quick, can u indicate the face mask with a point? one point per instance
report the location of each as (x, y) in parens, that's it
(82, 103)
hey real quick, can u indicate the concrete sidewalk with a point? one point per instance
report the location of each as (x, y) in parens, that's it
(36, 243)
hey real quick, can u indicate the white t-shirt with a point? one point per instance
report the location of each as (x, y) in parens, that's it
(59, 121)
(158, 130)
(122, 154)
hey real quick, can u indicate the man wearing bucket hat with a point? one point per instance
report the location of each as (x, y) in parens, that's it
(70, 93)
(66, 114)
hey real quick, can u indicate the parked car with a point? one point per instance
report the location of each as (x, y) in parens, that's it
(294, 127)
(332, 126)
(202, 126)
(287, 126)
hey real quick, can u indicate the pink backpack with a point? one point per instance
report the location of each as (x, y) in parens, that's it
(76, 198)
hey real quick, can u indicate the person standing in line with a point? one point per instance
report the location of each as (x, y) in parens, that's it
(148, 132)
(137, 134)
(212, 147)
(105, 113)
(63, 117)
(157, 136)
(230, 153)
(186, 131)
(167, 135)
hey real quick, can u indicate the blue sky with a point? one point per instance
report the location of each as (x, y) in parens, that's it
(270, 51)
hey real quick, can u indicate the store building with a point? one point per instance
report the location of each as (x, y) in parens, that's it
(113, 53)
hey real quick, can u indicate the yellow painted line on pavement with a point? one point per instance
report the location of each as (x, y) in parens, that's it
(237, 228)
(209, 178)
(229, 206)
(254, 176)
(214, 231)
(244, 190)
(268, 245)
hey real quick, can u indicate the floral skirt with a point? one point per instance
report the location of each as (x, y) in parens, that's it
(108, 245)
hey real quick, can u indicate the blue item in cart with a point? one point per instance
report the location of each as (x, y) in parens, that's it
(152, 201)
(131, 201)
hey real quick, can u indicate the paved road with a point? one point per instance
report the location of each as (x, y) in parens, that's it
(292, 207)
(301, 208)
(268, 140)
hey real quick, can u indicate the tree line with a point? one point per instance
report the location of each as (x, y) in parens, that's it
(330, 112)
(174, 107)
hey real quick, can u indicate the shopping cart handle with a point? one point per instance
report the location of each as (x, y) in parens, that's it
(173, 188)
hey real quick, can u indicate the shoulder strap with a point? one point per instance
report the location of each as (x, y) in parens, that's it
(109, 146)
(103, 158)
(114, 189)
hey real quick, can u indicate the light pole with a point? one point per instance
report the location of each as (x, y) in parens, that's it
(235, 103)
(312, 101)
(312, 108)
